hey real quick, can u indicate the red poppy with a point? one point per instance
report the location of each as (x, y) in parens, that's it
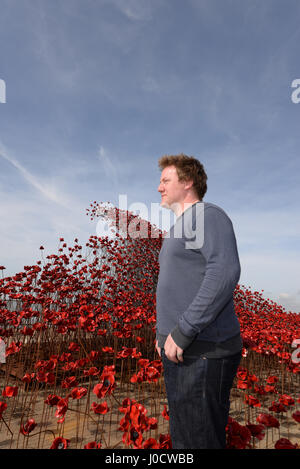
(60, 443)
(165, 413)
(61, 409)
(28, 377)
(133, 437)
(3, 407)
(238, 436)
(244, 384)
(41, 377)
(125, 404)
(272, 379)
(152, 374)
(74, 347)
(69, 382)
(257, 431)
(252, 401)
(287, 400)
(28, 427)
(296, 416)
(277, 407)
(92, 445)
(260, 390)
(269, 388)
(284, 443)
(13, 348)
(50, 378)
(100, 408)
(152, 423)
(267, 420)
(151, 443)
(138, 377)
(10, 391)
(107, 384)
(165, 442)
(78, 393)
(108, 350)
(52, 400)
(93, 371)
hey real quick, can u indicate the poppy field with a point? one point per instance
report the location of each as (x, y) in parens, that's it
(80, 369)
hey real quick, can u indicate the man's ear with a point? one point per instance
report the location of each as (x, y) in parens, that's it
(188, 184)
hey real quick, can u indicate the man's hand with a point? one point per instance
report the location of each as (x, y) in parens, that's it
(172, 351)
(158, 348)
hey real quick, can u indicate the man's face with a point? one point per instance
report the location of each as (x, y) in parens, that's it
(171, 189)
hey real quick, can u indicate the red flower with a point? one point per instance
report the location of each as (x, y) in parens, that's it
(27, 377)
(3, 407)
(267, 420)
(152, 374)
(165, 442)
(73, 347)
(260, 390)
(107, 384)
(13, 348)
(243, 384)
(287, 400)
(100, 408)
(52, 400)
(134, 436)
(93, 371)
(108, 350)
(78, 393)
(152, 423)
(60, 443)
(92, 445)
(61, 409)
(269, 388)
(28, 427)
(151, 443)
(252, 401)
(256, 430)
(277, 407)
(50, 378)
(10, 391)
(272, 379)
(69, 382)
(296, 416)
(238, 436)
(284, 443)
(165, 413)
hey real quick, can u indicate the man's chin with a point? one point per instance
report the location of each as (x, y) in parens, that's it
(164, 204)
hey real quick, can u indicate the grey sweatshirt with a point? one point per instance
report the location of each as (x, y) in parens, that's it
(199, 270)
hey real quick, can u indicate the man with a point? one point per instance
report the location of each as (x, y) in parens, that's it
(198, 333)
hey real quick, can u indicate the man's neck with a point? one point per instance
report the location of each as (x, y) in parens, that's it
(184, 206)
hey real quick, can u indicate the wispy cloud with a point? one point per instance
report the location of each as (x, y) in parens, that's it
(136, 10)
(46, 189)
(109, 167)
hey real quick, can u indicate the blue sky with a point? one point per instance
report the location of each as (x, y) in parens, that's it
(98, 90)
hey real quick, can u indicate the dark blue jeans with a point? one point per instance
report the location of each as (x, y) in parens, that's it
(198, 392)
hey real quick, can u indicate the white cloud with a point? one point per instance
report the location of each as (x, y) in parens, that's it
(135, 10)
(291, 302)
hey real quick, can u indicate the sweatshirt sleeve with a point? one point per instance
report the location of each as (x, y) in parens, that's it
(222, 274)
